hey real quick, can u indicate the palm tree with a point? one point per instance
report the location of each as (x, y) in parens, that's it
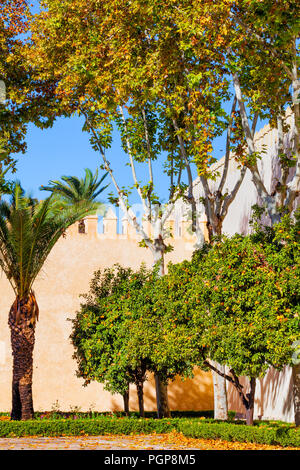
(28, 231)
(73, 190)
(76, 190)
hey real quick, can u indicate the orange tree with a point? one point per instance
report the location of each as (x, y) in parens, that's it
(155, 331)
(98, 336)
(126, 328)
(241, 300)
(236, 304)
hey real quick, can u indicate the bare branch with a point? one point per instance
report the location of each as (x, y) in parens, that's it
(282, 185)
(294, 185)
(230, 198)
(227, 154)
(234, 380)
(254, 123)
(179, 176)
(167, 212)
(189, 173)
(143, 200)
(131, 217)
(225, 376)
(171, 192)
(148, 146)
(257, 180)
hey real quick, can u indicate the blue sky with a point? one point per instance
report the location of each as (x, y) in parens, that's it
(62, 150)
(65, 149)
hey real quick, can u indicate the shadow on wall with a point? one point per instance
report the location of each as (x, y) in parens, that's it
(184, 395)
(244, 224)
(274, 398)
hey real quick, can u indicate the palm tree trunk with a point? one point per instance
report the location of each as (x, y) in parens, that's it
(22, 328)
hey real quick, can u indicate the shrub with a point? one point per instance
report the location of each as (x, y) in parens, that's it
(205, 428)
(271, 435)
(91, 427)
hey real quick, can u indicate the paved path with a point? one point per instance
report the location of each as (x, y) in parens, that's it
(152, 442)
(171, 441)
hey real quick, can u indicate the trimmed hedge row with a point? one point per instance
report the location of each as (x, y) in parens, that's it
(92, 427)
(207, 429)
(271, 435)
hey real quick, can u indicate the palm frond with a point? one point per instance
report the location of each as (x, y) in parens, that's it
(29, 230)
(75, 190)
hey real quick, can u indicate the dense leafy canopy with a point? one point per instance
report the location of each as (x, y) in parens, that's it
(99, 336)
(121, 331)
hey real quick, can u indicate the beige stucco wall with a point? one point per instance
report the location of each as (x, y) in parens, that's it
(273, 396)
(65, 275)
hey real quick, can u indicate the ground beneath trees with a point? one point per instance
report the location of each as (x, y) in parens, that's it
(171, 441)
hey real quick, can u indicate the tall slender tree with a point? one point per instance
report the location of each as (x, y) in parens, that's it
(143, 141)
(265, 67)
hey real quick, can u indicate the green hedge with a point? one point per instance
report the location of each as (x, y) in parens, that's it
(272, 435)
(284, 435)
(93, 427)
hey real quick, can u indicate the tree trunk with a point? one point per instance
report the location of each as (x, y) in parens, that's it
(249, 416)
(250, 405)
(220, 394)
(140, 393)
(296, 392)
(158, 254)
(22, 327)
(163, 410)
(214, 226)
(162, 402)
(126, 401)
(219, 383)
